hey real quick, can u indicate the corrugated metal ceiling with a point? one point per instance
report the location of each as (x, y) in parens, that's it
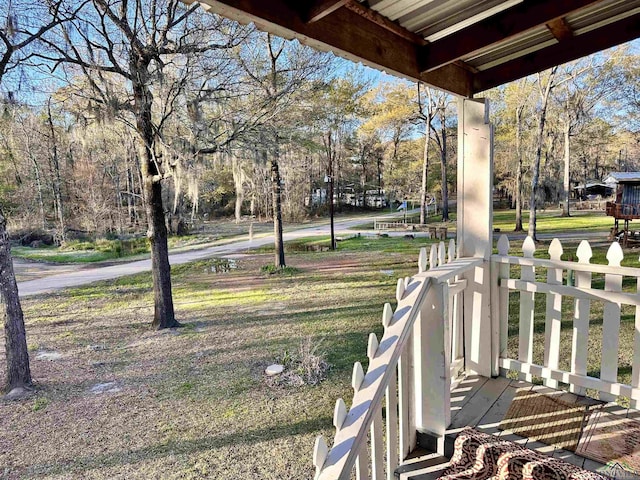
(436, 19)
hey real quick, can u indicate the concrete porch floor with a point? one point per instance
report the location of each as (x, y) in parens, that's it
(482, 402)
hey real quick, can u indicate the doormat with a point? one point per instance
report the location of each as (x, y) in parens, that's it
(612, 439)
(545, 418)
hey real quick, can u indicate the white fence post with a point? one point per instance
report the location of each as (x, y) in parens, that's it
(432, 347)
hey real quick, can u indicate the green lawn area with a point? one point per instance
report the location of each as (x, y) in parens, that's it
(56, 255)
(550, 221)
(194, 402)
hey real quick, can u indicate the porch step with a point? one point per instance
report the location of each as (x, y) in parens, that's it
(422, 465)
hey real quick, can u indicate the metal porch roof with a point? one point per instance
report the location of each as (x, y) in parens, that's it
(463, 46)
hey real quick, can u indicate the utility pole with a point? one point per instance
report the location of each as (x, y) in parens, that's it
(329, 180)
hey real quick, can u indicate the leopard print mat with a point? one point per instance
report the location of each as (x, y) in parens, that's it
(478, 456)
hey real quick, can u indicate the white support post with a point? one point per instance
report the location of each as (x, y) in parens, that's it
(432, 352)
(475, 232)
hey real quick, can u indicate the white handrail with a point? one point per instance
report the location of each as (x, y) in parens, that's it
(352, 427)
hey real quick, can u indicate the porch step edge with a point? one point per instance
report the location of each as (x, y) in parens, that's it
(426, 467)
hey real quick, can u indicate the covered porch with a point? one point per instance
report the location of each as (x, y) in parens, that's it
(449, 337)
(459, 352)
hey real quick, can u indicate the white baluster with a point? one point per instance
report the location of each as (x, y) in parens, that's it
(339, 414)
(372, 346)
(400, 290)
(503, 273)
(525, 341)
(357, 377)
(320, 452)
(451, 253)
(442, 254)
(387, 314)
(582, 307)
(554, 315)
(433, 256)
(635, 369)
(392, 427)
(377, 449)
(611, 323)
(422, 260)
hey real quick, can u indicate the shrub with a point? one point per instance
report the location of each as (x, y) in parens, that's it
(307, 366)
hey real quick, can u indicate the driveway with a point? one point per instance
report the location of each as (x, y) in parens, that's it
(57, 277)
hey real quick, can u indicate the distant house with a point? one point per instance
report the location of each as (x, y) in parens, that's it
(591, 189)
(627, 194)
(626, 205)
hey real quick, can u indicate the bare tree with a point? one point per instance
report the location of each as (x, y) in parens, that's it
(584, 85)
(282, 73)
(136, 57)
(426, 112)
(521, 102)
(439, 103)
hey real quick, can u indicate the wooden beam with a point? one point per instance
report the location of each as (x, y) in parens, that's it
(560, 29)
(322, 8)
(511, 22)
(570, 49)
(347, 34)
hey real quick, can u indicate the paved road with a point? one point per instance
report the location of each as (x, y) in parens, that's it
(73, 276)
(82, 275)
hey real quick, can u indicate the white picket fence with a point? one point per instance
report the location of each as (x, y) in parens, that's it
(583, 294)
(397, 369)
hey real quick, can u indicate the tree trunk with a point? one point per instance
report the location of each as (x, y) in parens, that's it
(17, 355)
(536, 166)
(519, 111)
(443, 163)
(57, 181)
(567, 178)
(425, 176)
(130, 190)
(163, 316)
(36, 172)
(277, 213)
(238, 182)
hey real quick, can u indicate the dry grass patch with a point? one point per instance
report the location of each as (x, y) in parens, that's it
(193, 402)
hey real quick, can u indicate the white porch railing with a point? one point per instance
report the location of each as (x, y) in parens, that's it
(409, 374)
(583, 292)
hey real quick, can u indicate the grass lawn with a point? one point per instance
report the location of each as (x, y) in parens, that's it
(550, 221)
(194, 402)
(56, 255)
